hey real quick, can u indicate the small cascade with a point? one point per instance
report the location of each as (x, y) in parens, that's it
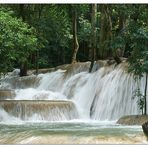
(85, 89)
(39, 110)
(14, 82)
(34, 94)
(51, 81)
(114, 96)
(104, 94)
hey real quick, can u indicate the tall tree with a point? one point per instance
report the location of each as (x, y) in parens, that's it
(118, 44)
(18, 41)
(23, 65)
(105, 30)
(75, 39)
(93, 35)
(138, 36)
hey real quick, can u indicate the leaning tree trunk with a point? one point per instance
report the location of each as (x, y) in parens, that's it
(75, 40)
(93, 35)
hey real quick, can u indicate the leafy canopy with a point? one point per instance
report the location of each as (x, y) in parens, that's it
(17, 40)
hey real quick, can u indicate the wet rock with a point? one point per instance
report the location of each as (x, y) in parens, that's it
(133, 120)
(6, 94)
(145, 129)
(47, 110)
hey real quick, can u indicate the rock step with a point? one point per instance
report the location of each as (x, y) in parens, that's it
(50, 110)
(133, 120)
(7, 94)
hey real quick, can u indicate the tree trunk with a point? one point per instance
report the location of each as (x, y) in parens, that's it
(63, 56)
(23, 65)
(22, 11)
(108, 30)
(23, 69)
(117, 59)
(102, 31)
(93, 35)
(36, 62)
(75, 40)
(105, 31)
(145, 101)
(40, 9)
(122, 23)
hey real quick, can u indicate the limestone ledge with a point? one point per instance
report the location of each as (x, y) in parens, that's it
(133, 120)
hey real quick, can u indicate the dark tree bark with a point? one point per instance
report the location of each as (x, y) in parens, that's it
(120, 31)
(36, 62)
(23, 69)
(102, 31)
(75, 40)
(117, 59)
(40, 10)
(22, 11)
(23, 65)
(105, 30)
(145, 96)
(93, 35)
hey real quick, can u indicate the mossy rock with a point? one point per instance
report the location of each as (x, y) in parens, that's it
(133, 120)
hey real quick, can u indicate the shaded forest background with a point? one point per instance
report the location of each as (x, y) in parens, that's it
(34, 36)
(66, 33)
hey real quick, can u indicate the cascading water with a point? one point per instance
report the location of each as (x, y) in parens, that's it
(69, 103)
(40, 110)
(105, 94)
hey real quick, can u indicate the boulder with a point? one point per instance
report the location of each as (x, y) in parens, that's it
(133, 120)
(145, 129)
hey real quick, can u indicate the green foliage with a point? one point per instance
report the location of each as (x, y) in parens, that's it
(138, 61)
(17, 41)
(117, 42)
(139, 58)
(141, 98)
(53, 28)
(85, 29)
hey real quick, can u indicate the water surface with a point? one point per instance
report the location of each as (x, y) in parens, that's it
(71, 132)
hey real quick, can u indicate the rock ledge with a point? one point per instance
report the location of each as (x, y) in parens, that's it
(133, 120)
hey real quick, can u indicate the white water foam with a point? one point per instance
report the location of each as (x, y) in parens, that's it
(7, 118)
(34, 94)
(105, 94)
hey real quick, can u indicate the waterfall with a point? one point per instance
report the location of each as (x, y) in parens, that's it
(40, 110)
(104, 94)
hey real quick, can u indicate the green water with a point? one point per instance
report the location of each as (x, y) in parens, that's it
(15, 133)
